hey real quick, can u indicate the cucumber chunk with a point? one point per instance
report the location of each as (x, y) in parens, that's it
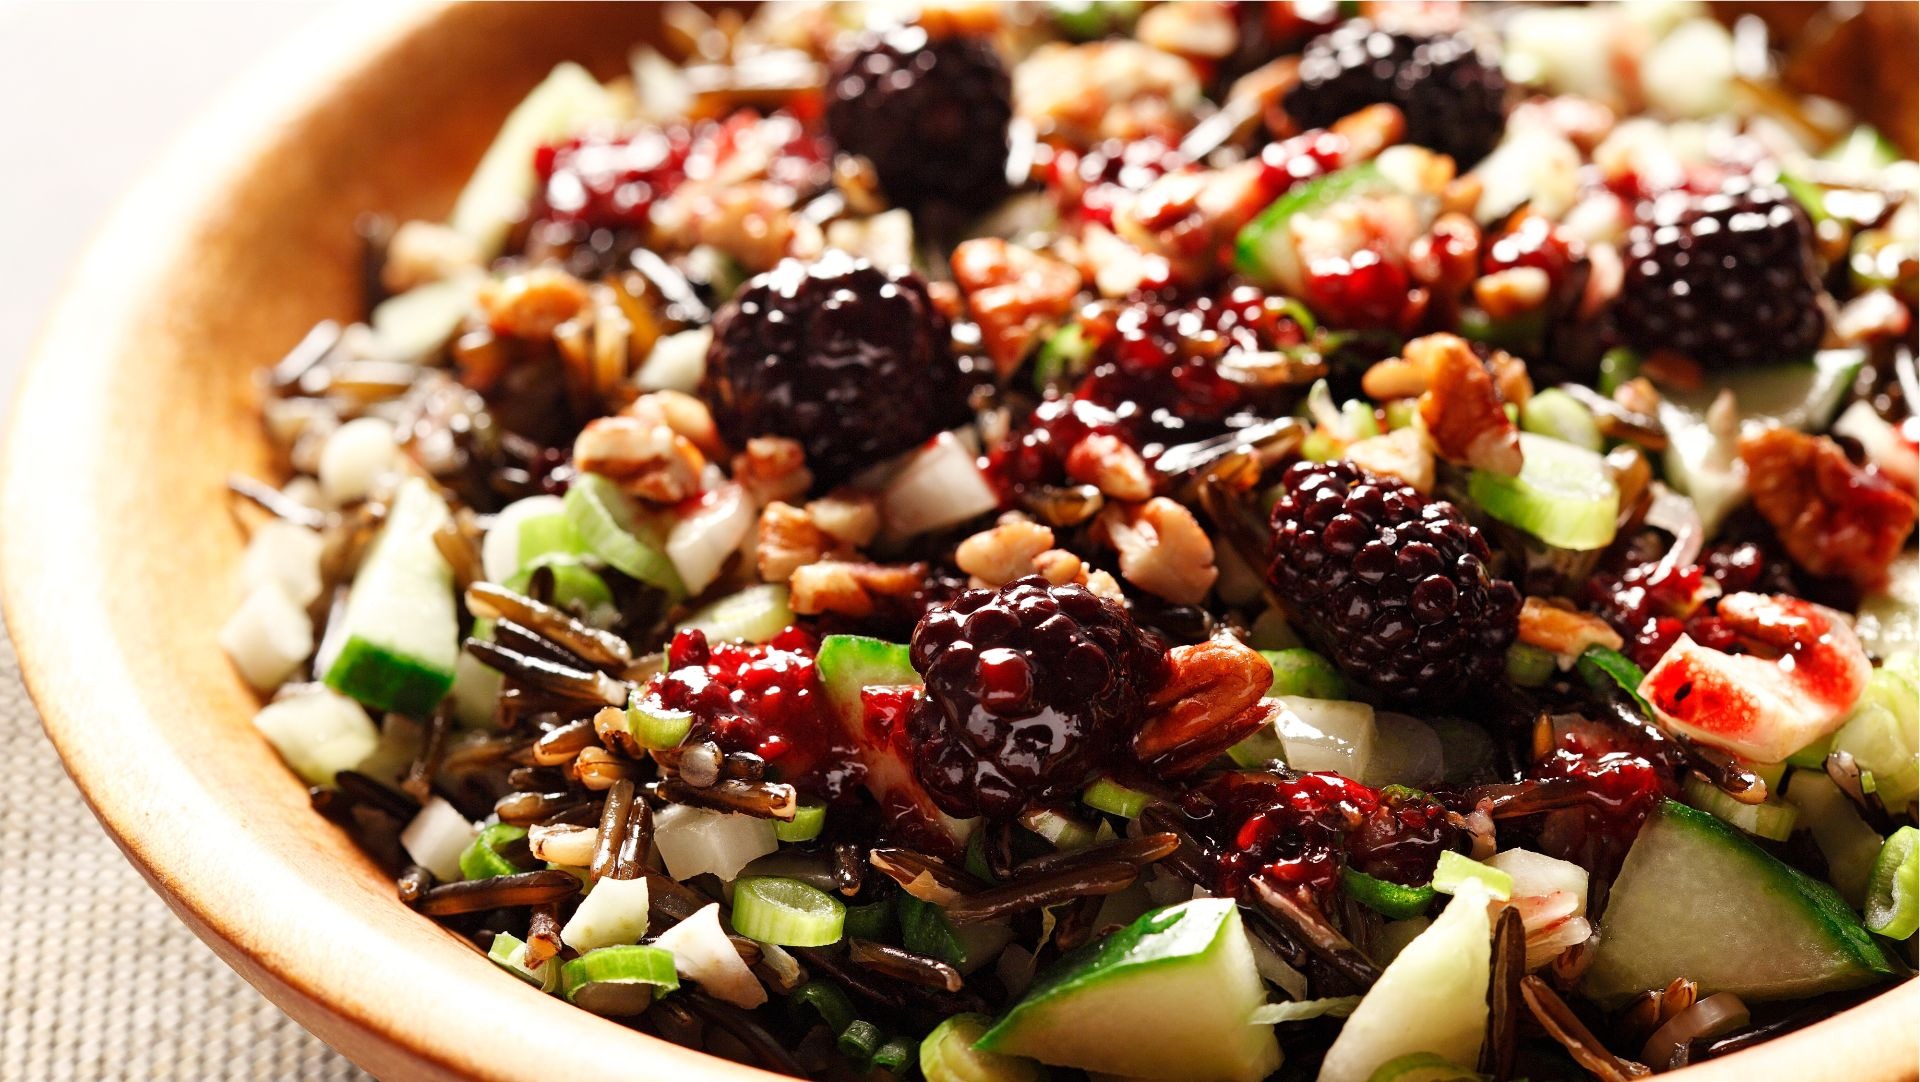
(1169, 996)
(401, 632)
(1697, 899)
(1431, 998)
(1563, 494)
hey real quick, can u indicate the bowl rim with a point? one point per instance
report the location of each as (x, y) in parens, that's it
(59, 644)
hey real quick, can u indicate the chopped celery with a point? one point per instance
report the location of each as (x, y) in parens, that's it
(1893, 895)
(1529, 666)
(655, 726)
(1423, 1067)
(754, 615)
(786, 912)
(1562, 495)
(1883, 736)
(1556, 414)
(1454, 869)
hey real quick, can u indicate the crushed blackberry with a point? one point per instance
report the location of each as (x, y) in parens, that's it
(763, 699)
(1728, 279)
(1028, 688)
(1299, 830)
(1452, 93)
(1395, 587)
(854, 362)
(931, 114)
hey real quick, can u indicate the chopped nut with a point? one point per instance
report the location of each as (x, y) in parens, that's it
(1201, 30)
(1833, 517)
(1393, 378)
(1200, 710)
(1116, 89)
(773, 468)
(1015, 294)
(1638, 395)
(1370, 130)
(1461, 409)
(1400, 453)
(1162, 549)
(643, 454)
(789, 540)
(1872, 315)
(1060, 567)
(753, 222)
(1512, 292)
(532, 304)
(1563, 631)
(684, 414)
(1109, 464)
(1104, 584)
(422, 252)
(852, 589)
(1003, 553)
(851, 518)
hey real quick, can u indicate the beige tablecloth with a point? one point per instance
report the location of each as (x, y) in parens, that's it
(99, 980)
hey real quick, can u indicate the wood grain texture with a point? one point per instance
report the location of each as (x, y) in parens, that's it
(119, 548)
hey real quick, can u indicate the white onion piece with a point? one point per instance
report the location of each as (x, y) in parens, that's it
(613, 913)
(319, 733)
(1536, 875)
(1896, 456)
(1326, 734)
(702, 952)
(1406, 751)
(1275, 970)
(286, 555)
(436, 837)
(1713, 1016)
(939, 485)
(695, 841)
(267, 637)
(701, 541)
(1674, 513)
(356, 454)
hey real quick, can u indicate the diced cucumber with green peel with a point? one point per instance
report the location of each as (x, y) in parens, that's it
(1772, 818)
(318, 732)
(568, 99)
(1432, 998)
(1697, 899)
(609, 525)
(401, 631)
(1563, 494)
(1803, 395)
(1170, 996)
(753, 615)
(1893, 895)
(1265, 251)
(950, 1054)
(1454, 872)
(1849, 845)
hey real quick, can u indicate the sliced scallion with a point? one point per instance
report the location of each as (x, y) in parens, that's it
(859, 1041)
(807, 823)
(1111, 797)
(895, 1055)
(609, 526)
(1455, 869)
(1303, 672)
(1422, 1067)
(655, 726)
(1893, 892)
(875, 920)
(786, 912)
(483, 859)
(1529, 666)
(618, 981)
(825, 1000)
(1383, 896)
(509, 952)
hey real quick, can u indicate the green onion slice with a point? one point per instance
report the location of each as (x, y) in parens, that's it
(609, 526)
(807, 823)
(1383, 896)
(1893, 891)
(1422, 1067)
(859, 1041)
(1300, 671)
(509, 952)
(618, 981)
(1110, 796)
(483, 859)
(826, 1000)
(655, 726)
(786, 912)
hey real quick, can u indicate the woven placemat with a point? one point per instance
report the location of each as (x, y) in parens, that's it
(100, 981)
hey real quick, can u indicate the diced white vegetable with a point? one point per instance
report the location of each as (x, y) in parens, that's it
(267, 637)
(355, 456)
(1534, 164)
(1886, 448)
(885, 240)
(1394, 936)
(1563, 48)
(319, 733)
(939, 485)
(695, 841)
(1326, 734)
(702, 952)
(1889, 618)
(412, 326)
(1406, 751)
(436, 837)
(400, 741)
(476, 691)
(701, 541)
(1690, 72)
(1432, 998)
(1274, 969)
(567, 100)
(677, 363)
(613, 913)
(286, 555)
(500, 553)
(1536, 875)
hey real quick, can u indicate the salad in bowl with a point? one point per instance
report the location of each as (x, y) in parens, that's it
(1200, 541)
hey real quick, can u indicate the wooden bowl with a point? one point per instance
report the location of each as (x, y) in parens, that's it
(120, 548)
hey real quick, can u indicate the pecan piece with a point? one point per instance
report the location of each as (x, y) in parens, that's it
(1162, 549)
(532, 304)
(1563, 631)
(1210, 702)
(1003, 553)
(641, 451)
(773, 468)
(1016, 295)
(1832, 516)
(847, 588)
(789, 540)
(1108, 463)
(1465, 418)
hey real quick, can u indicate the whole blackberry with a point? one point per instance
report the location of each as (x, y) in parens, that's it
(1394, 586)
(1027, 687)
(854, 362)
(1727, 279)
(1452, 94)
(931, 114)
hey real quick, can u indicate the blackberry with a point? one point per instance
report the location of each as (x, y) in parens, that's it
(1298, 830)
(931, 114)
(1394, 586)
(854, 362)
(1727, 279)
(1028, 686)
(1452, 94)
